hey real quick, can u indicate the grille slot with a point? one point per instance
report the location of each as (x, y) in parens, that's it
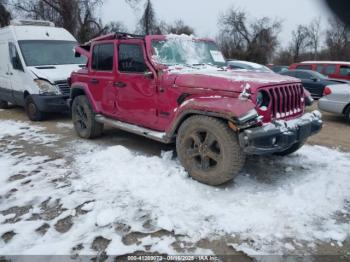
(286, 100)
(63, 87)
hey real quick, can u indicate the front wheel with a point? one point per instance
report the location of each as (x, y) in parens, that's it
(209, 150)
(32, 110)
(4, 104)
(347, 115)
(84, 119)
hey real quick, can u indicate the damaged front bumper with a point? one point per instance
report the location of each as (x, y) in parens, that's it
(280, 135)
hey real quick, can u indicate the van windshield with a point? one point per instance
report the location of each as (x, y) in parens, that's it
(44, 53)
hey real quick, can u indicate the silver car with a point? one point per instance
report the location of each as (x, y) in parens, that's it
(336, 100)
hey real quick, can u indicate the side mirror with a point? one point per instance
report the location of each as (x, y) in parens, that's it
(314, 79)
(149, 75)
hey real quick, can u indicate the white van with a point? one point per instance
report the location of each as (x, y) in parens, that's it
(36, 59)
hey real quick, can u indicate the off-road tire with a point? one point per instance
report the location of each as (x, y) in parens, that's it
(32, 110)
(4, 104)
(347, 114)
(195, 145)
(84, 119)
(291, 150)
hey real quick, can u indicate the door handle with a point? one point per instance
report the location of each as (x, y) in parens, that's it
(94, 81)
(119, 84)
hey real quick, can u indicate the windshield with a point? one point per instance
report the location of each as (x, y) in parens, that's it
(187, 51)
(43, 53)
(319, 75)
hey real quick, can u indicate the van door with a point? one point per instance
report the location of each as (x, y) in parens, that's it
(5, 81)
(17, 74)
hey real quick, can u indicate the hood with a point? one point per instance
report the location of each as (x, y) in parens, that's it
(54, 73)
(227, 80)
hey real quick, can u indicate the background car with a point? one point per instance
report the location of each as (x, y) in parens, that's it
(313, 81)
(332, 69)
(336, 100)
(238, 64)
(279, 69)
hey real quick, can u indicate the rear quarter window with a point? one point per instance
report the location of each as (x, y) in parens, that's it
(331, 69)
(344, 70)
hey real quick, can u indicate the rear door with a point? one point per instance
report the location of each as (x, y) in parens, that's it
(136, 83)
(5, 81)
(102, 77)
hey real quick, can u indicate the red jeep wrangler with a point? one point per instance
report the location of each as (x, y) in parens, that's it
(177, 88)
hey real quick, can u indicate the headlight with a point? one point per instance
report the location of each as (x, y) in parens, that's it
(263, 100)
(46, 88)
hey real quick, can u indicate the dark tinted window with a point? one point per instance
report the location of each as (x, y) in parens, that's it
(319, 68)
(304, 67)
(331, 69)
(131, 58)
(102, 57)
(304, 75)
(345, 70)
(15, 60)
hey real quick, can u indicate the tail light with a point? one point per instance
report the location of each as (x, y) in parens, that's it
(327, 91)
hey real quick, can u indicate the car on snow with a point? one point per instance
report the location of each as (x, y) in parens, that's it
(36, 60)
(177, 89)
(313, 81)
(336, 100)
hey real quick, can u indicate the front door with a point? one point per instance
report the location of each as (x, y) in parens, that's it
(5, 81)
(136, 85)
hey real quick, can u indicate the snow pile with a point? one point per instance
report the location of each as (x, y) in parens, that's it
(11, 129)
(276, 205)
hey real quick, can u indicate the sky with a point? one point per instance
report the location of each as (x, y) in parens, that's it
(203, 15)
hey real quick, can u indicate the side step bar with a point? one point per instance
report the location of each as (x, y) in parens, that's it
(154, 135)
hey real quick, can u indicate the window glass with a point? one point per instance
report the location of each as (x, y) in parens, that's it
(331, 69)
(303, 75)
(319, 68)
(15, 60)
(345, 70)
(102, 57)
(131, 59)
(289, 73)
(304, 67)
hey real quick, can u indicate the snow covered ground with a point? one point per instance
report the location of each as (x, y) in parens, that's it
(84, 198)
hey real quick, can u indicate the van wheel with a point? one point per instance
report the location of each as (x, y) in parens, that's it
(84, 119)
(209, 150)
(33, 113)
(4, 104)
(347, 114)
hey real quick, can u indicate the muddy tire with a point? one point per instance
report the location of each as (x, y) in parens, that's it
(4, 104)
(32, 110)
(291, 150)
(84, 119)
(209, 150)
(347, 114)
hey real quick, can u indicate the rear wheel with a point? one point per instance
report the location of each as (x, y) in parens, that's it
(84, 119)
(209, 150)
(347, 114)
(4, 104)
(33, 112)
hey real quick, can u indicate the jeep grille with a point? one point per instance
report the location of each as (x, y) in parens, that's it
(286, 100)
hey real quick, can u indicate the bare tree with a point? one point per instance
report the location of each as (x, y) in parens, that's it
(314, 35)
(338, 40)
(300, 40)
(253, 41)
(114, 27)
(5, 15)
(77, 16)
(179, 28)
(148, 23)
